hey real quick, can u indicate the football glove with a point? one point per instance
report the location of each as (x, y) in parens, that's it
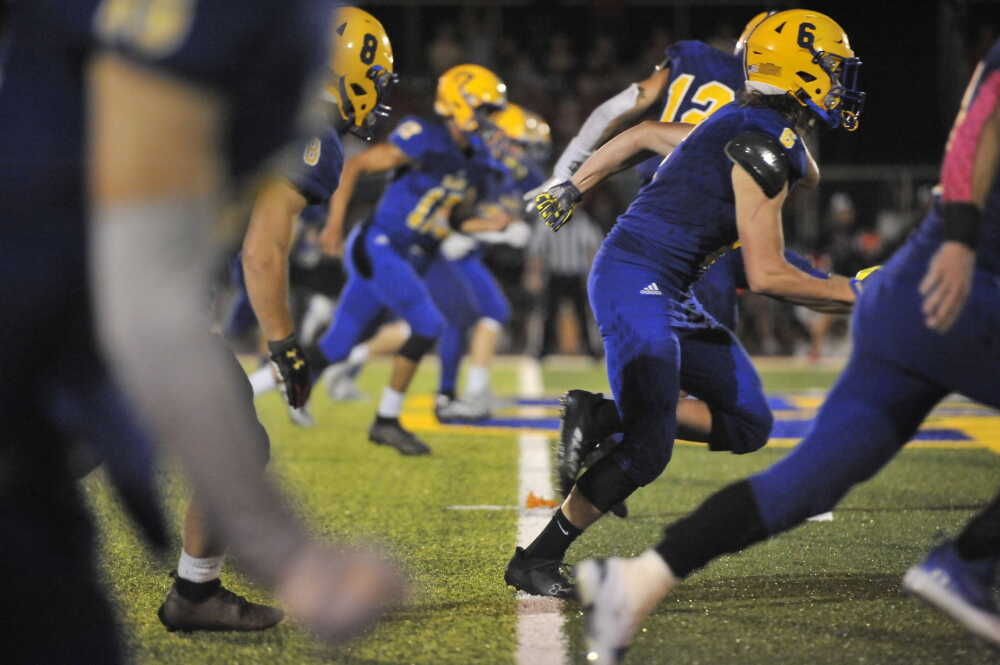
(289, 362)
(858, 279)
(555, 205)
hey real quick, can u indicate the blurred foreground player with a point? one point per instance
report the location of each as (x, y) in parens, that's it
(171, 129)
(197, 600)
(942, 289)
(723, 182)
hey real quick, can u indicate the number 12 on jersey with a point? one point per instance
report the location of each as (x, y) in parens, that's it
(712, 96)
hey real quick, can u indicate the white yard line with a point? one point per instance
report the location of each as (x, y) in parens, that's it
(540, 638)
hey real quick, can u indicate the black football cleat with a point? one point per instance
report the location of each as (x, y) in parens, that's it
(391, 433)
(578, 436)
(222, 610)
(539, 577)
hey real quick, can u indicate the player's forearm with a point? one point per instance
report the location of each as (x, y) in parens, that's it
(629, 148)
(783, 280)
(178, 374)
(266, 273)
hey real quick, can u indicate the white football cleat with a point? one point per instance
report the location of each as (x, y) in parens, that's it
(339, 382)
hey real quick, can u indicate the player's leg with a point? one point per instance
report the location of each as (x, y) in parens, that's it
(197, 600)
(875, 407)
(494, 315)
(454, 297)
(398, 284)
(731, 412)
(643, 358)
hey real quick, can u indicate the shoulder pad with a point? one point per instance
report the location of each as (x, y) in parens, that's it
(763, 158)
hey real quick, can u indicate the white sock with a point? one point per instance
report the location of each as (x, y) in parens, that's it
(193, 569)
(359, 355)
(478, 380)
(392, 403)
(262, 381)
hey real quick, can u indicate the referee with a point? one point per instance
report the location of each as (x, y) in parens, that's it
(557, 270)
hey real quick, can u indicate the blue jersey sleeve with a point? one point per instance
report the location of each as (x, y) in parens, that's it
(804, 264)
(415, 137)
(318, 173)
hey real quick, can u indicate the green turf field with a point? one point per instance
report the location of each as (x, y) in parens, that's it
(825, 593)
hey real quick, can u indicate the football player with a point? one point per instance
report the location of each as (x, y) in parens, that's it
(184, 102)
(465, 289)
(438, 168)
(357, 86)
(942, 290)
(640, 279)
(695, 81)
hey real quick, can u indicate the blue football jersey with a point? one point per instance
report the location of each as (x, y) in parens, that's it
(702, 80)
(416, 207)
(686, 214)
(318, 173)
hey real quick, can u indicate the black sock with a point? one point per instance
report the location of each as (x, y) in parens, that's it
(607, 419)
(980, 539)
(384, 420)
(728, 521)
(196, 592)
(554, 539)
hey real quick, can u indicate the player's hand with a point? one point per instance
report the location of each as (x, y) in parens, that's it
(947, 285)
(332, 243)
(555, 206)
(857, 282)
(338, 593)
(289, 362)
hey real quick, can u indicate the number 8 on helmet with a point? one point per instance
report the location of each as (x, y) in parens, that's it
(361, 70)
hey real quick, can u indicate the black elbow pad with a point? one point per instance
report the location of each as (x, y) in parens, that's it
(763, 158)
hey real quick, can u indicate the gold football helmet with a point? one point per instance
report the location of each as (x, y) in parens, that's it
(467, 93)
(526, 128)
(751, 24)
(361, 70)
(807, 55)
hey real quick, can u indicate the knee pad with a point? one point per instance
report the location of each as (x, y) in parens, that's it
(605, 484)
(416, 347)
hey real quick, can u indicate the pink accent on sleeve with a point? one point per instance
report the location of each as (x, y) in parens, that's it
(959, 161)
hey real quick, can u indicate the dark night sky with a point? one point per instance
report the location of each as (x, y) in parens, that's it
(910, 104)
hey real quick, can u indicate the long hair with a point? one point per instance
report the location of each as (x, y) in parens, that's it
(799, 116)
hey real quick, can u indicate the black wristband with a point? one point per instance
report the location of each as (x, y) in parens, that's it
(282, 345)
(961, 223)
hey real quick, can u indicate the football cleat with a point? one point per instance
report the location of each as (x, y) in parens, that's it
(961, 589)
(578, 436)
(450, 410)
(539, 577)
(222, 610)
(609, 621)
(391, 433)
(339, 382)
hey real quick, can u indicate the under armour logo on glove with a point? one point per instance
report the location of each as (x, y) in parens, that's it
(293, 371)
(555, 205)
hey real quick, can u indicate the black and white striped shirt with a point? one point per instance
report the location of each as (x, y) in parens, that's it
(571, 251)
